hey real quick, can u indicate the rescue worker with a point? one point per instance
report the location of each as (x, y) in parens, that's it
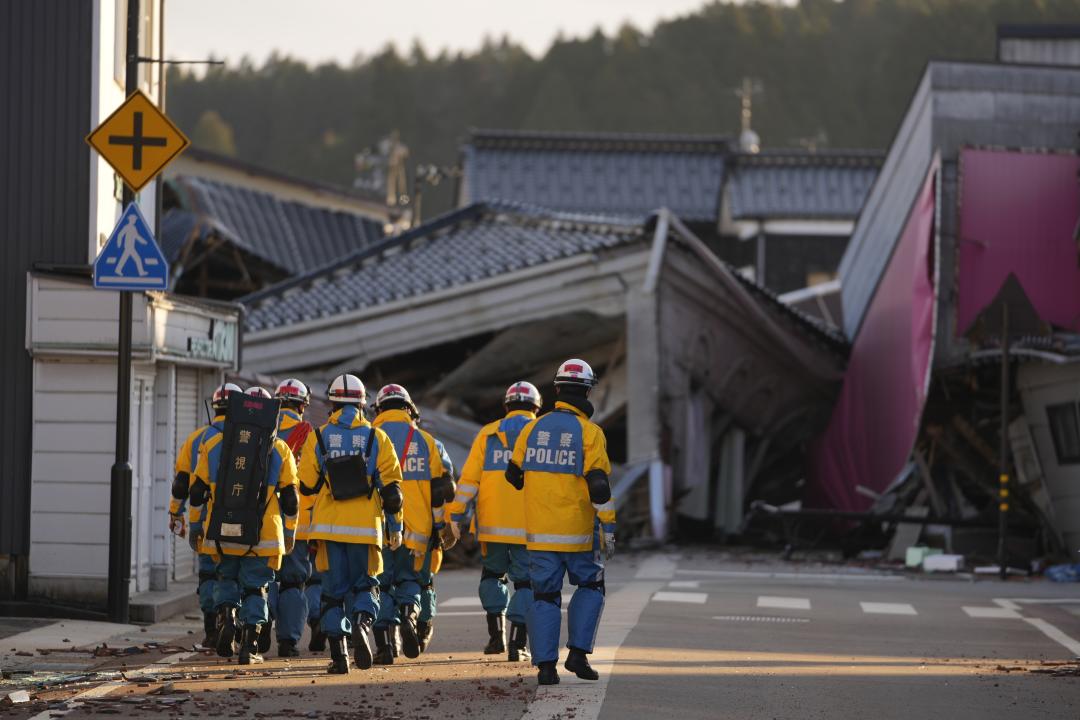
(288, 598)
(426, 489)
(186, 460)
(500, 513)
(425, 621)
(352, 471)
(560, 460)
(245, 571)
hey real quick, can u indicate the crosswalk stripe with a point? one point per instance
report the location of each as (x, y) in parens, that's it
(787, 603)
(685, 584)
(681, 597)
(991, 612)
(882, 608)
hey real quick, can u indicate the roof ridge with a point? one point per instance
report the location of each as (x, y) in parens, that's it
(598, 141)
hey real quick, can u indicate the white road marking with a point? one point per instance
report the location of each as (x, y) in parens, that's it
(460, 602)
(761, 618)
(1007, 604)
(880, 608)
(621, 614)
(685, 584)
(1040, 601)
(991, 612)
(681, 597)
(1056, 635)
(788, 603)
(657, 567)
(766, 575)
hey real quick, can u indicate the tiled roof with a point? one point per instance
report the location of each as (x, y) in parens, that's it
(479, 241)
(294, 236)
(611, 174)
(801, 185)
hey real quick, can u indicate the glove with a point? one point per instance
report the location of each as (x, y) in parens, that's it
(607, 543)
(449, 535)
(394, 540)
(455, 530)
(290, 542)
(177, 525)
(194, 538)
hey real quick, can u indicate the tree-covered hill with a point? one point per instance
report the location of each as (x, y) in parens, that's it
(841, 72)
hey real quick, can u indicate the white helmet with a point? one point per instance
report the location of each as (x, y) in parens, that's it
(347, 389)
(259, 392)
(221, 396)
(575, 372)
(523, 392)
(394, 392)
(292, 389)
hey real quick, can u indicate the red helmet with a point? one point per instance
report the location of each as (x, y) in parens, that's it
(293, 389)
(523, 392)
(347, 389)
(575, 372)
(259, 392)
(221, 396)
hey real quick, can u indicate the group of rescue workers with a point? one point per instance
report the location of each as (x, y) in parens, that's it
(343, 526)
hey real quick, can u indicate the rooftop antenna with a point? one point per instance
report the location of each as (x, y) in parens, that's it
(749, 142)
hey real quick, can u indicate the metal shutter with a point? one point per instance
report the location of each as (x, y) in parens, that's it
(187, 420)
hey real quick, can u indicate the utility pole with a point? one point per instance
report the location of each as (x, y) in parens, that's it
(120, 479)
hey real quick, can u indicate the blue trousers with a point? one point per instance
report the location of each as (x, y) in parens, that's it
(501, 559)
(429, 599)
(400, 584)
(313, 595)
(252, 575)
(546, 569)
(288, 602)
(207, 581)
(348, 587)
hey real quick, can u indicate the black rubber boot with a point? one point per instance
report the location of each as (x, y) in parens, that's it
(410, 643)
(266, 634)
(361, 636)
(249, 645)
(384, 651)
(317, 643)
(209, 623)
(226, 626)
(518, 647)
(548, 675)
(496, 634)
(577, 662)
(424, 630)
(287, 648)
(339, 657)
(395, 639)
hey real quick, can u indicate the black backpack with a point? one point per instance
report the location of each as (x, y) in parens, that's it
(241, 481)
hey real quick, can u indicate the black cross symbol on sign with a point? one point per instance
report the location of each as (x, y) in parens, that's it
(137, 141)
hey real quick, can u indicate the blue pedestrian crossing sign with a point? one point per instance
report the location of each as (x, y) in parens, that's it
(131, 259)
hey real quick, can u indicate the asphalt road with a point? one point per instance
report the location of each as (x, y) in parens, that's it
(692, 635)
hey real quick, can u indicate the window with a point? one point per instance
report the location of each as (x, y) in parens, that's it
(1065, 430)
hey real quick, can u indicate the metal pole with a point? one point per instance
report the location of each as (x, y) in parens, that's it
(1003, 450)
(120, 480)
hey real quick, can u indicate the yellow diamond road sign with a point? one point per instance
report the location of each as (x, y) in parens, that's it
(138, 140)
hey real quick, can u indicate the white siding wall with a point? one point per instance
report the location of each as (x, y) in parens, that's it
(187, 415)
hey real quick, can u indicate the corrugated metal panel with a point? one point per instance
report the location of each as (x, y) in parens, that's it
(45, 73)
(188, 413)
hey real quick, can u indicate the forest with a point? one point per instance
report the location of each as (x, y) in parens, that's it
(830, 73)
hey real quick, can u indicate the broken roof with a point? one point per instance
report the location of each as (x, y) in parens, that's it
(291, 235)
(820, 185)
(480, 241)
(607, 173)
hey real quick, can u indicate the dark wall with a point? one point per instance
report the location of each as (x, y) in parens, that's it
(789, 259)
(45, 76)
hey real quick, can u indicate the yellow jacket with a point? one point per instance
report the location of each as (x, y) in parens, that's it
(359, 520)
(187, 458)
(420, 463)
(281, 474)
(288, 420)
(500, 509)
(555, 451)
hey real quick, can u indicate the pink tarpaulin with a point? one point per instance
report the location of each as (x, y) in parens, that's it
(876, 419)
(1018, 214)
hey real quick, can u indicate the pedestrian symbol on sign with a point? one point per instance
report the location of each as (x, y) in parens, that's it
(131, 259)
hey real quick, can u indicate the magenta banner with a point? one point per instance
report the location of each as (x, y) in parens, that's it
(876, 419)
(1018, 214)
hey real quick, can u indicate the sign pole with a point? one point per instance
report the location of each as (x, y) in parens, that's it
(120, 480)
(1003, 451)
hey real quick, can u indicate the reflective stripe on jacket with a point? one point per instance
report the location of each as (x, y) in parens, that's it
(555, 451)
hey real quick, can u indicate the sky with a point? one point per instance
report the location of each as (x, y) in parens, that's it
(337, 30)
